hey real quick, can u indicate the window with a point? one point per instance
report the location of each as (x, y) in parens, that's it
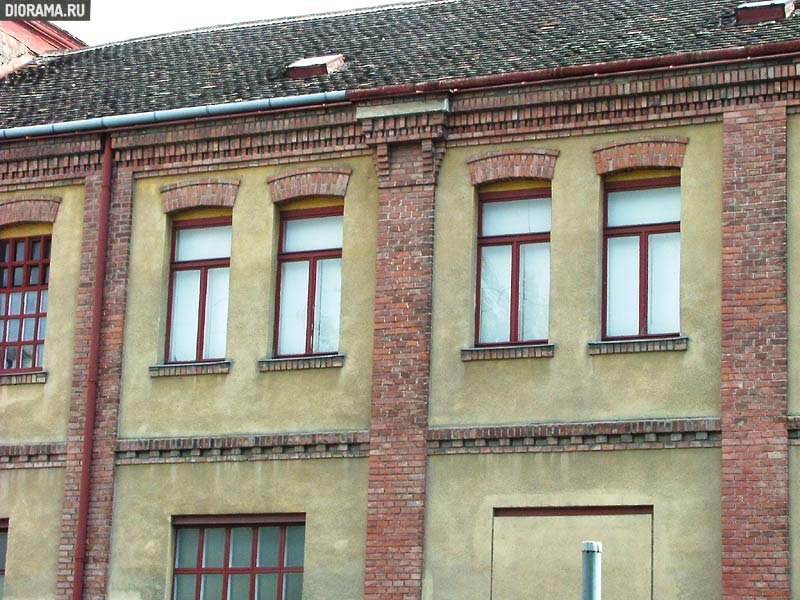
(24, 275)
(198, 290)
(641, 269)
(513, 289)
(3, 547)
(309, 282)
(239, 558)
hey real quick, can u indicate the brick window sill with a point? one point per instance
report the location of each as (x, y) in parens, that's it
(507, 352)
(675, 344)
(221, 367)
(268, 365)
(37, 377)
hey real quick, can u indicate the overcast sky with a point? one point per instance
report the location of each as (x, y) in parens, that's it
(115, 20)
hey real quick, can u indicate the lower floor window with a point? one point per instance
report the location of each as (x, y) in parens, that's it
(3, 546)
(237, 559)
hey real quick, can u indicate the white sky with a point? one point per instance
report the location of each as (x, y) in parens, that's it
(115, 20)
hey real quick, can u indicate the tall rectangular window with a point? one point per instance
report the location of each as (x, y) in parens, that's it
(309, 282)
(3, 548)
(24, 277)
(641, 268)
(513, 288)
(239, 558)
(198, 290)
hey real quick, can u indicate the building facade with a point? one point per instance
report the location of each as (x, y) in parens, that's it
(410, 317)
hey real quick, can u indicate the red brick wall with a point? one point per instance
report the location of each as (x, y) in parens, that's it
(29, 209)
(306, 183)
(755, 499)
(524, 163)
(199, 193)
(641, 153)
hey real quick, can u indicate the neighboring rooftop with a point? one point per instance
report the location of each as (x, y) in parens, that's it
(396, 44)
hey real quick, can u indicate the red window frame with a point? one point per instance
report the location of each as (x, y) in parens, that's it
(229, 522)
(312, 257)
(8, 266)
(515, 241)
(203, 266)
(629, 231)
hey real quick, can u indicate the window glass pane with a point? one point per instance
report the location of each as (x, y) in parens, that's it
(10, 359)
(184, 587)
(28, 326)
(19, 251)
(203, 243)
(516, 216)
(241, 546)
(216, 319)
(3, 547)
(213, 547)
(4, 277)
(293, 308)
(36, 249)
(663, 283)
(26, 357)
(33, 276)
(495, 307)
(293, 586)
(46, 274)
(43, 302)
(42, 327)
(239, 587)
(39, 355)
(295, 540)
(622, 285)
(534, 291)
(318, 233)
(269, 539)
(30, 302)
(185, 302)
(661, 205)
(211, 587)
(15, 304)
(3, 304)
(186, 548)
(19, 273)
(2, 585)
(326, 305)
(267, 586)
(12, 331)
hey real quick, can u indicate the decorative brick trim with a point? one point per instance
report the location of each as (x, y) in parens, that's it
(207, 192)
(793, 425)
(33, 456)
(24, 378)
(222, 367)
(641, 153)
(505, 165)
(677, 344)
(267, 365)
(505, 352)
(289, 446)
(308, 183)
(651, 434)
(29, 209)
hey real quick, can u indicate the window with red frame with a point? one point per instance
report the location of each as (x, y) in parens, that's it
(239, 558)
(641, 267)
(513, 288)
(3, 548)
(24, 277)
(198, 290)
(309, 282)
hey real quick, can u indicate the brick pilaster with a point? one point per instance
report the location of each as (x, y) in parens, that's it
(755, 498)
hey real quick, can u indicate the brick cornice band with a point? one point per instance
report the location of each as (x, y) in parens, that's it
(308, 183)
(208, 192)
(506, 165)
(641, 153)
(29, 209)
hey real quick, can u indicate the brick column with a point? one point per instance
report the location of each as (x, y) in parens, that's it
(105, 433)
(755, 496)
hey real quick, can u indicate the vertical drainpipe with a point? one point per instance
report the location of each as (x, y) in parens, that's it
(94, 355)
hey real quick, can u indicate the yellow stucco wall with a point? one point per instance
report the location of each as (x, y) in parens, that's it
(245, 400)
(793, 257)
(683, 486)
(573, 385)
(332, 493)
(36, 412)
(31, 500)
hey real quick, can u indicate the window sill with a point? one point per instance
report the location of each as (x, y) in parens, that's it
(675, 344)
(221, 367)
(506, 352)
(268, 365)
(23, 378)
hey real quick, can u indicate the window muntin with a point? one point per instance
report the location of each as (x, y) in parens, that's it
(239, 559)
(3, 549)
(641, 267)
(198, 290)
(24, 279)
(513, 288)
(309, 282)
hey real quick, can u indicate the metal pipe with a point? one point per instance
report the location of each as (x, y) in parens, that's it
(592, 568)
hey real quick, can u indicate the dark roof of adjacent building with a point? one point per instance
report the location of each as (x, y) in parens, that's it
(406, 43)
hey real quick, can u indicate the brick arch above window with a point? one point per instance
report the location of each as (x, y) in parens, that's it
(208, 192)
(29, 209)
(640, 153)
(307, 183)
(506, 165)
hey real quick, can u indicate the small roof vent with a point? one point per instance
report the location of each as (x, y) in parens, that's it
(315, 66)
(763, 11)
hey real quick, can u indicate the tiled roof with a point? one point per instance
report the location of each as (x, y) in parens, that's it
(398, 44)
